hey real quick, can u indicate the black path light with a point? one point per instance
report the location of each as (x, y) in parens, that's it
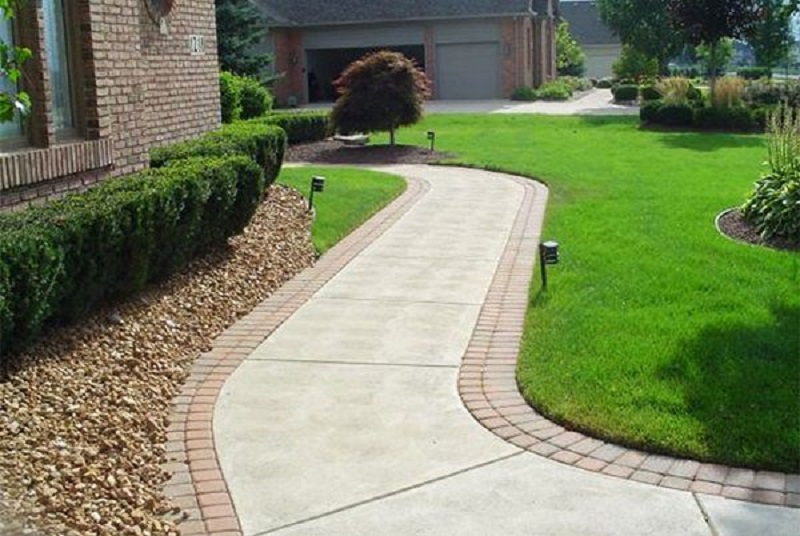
(548, 254)
(317, 185)
(432, 138)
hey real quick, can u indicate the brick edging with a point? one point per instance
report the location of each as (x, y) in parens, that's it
(489, 390)
(197, 485)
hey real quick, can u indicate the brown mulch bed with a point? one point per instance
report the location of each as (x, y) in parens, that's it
(336, 152)
(734, 226)
(84, 420)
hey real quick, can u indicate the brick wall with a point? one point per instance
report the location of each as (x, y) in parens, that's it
(139, 87)
(289, 61)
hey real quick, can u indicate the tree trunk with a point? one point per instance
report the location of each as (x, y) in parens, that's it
(712, 76)
(391, 136)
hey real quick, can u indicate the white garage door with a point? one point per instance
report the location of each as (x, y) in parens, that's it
(468, 71)
(599, 60)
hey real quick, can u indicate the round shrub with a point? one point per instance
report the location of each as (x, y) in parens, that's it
(604, 83)
(524, 94)
(256, 99)
(554, 90)
(626, 93)
(230, 93)
(648, 113)
(675, 115)
(650, 93)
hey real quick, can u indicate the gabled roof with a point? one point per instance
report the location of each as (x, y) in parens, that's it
(329, 12)
(585, 24)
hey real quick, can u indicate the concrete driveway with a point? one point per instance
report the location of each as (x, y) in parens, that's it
(596, 102)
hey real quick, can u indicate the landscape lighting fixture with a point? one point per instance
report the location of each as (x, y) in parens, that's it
(548, 254)
(317, 185)
(432, 138)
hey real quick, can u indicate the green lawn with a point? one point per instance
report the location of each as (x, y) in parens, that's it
(351, 196)
(655, 331)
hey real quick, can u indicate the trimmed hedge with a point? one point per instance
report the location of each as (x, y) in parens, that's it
(754, 73)
(262, 142)
(58, 261)
(650, 93)
(230, 94)
(256, 100)
(626, 93)
(737, 118)
(300, 127)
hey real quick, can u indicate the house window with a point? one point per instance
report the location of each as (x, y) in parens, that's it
(57, 47)
(10, 129)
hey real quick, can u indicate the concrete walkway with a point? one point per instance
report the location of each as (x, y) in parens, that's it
(596, 102)
(347, 419)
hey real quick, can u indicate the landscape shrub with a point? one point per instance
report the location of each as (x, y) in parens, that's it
(554, 90)
(576, 83)
(263, 142)
(648, 113)
(256, 99)
(674, 89)
(524, 94)
(774, 206)
(230, 93)
(59, 260)
(605, 83)
(739, 118)
(650, 93)
(675, 115)
(727, 92)
(301, 127)
(634, 66)
(754, 73)
(626, 93)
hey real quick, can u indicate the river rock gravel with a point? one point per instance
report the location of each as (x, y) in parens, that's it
(83, 419)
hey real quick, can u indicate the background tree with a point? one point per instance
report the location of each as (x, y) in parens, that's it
(12, 103)
(570, 58)
(378, 93)
(240, 28)
(708, 22)
(634, 66)
(772, 36)
(715, 60)
(644, 25)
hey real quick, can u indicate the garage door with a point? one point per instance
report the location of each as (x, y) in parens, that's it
(468, 71)
(599, 60)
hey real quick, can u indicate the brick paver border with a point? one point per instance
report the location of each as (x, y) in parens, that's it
(197, 484)
(488, 387)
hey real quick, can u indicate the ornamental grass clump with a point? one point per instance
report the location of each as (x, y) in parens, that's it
(674, 90)
(727, 92)
(774, 206)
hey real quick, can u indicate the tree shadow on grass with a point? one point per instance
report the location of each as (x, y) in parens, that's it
(742, 384)
(706, 142)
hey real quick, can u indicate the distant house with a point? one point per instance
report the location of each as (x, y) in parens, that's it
(109, 79)
(470, 49)
(597, 40)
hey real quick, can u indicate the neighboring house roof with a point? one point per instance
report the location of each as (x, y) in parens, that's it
(585, 24)
(329, 12)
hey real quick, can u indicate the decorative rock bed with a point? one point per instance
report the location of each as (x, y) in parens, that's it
(84, 421)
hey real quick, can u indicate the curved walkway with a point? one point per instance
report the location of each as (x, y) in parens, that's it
(346, 420)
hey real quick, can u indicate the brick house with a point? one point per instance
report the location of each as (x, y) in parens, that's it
(109, 79)
(470, 49)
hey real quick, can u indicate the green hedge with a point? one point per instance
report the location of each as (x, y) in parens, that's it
(300, 127)
(737, 118)
(754, 73)
(230, 95)
(264, 143)
(650, 93)
(256, 99)
(58, 261)
(626, 93)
